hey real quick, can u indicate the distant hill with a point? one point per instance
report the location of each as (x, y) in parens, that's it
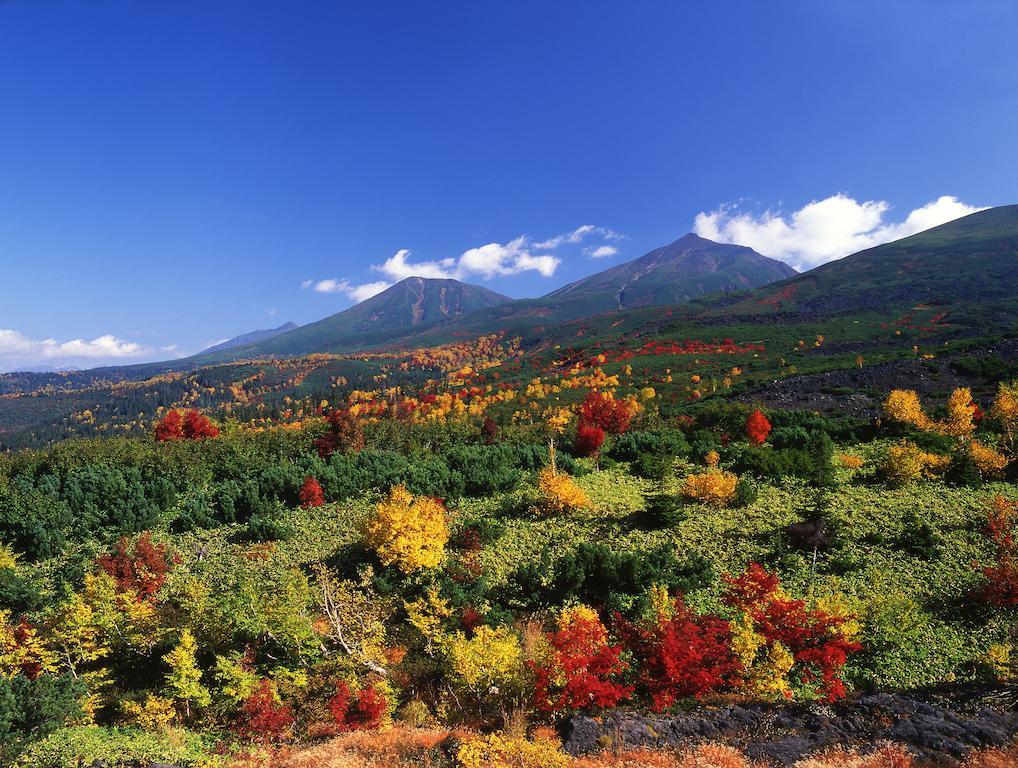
(690, 267)
(972, 260)
(250, 338)
(410, 305)
(674, 274)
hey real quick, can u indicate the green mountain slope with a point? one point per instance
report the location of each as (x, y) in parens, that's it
(970, 260)
(673, 274)
(411, 305)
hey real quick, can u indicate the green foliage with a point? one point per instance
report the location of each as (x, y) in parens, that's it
(32, 709)
(595, 574)
(118, 748)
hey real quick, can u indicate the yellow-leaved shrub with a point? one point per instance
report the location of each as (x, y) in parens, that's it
(408, 531)
(987, 460)
(491, 659)
(906, 462)
(560, 493)
(500, 750)
(712, 486)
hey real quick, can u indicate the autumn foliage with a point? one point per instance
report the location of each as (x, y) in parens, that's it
(579, 671)
(192, 426)
(683, 655)
(311, 494)
(757, 427)
(261, 718)
(407, 531)
(603, 410)
(140, 568)
(345, 433)
(560, 493)
(589, 439)
(775, 627)
(1001, 587)
(362, 710)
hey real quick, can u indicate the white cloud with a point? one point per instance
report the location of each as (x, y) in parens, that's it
(578, 235)
(355, 292)
(601, 251)
(367, 290)
(486, 261)
(823, 230)
(18, 350)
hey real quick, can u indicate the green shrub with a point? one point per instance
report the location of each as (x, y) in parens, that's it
(118, 748)
(32, 709)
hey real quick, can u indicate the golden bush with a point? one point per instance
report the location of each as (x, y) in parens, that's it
(499, 750)
(407, 531)
(905, 462)
(713, 486)
(987, 460)
(560, 493)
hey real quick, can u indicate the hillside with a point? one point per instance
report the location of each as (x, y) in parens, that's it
(970, 260)
(249, 338)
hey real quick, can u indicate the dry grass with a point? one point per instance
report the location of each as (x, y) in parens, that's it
(1006, 757)
(403, 747)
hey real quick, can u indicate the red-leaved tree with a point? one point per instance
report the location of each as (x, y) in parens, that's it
(311, 494)
(681, 656)
(600, 409)
(197, 426)
(191, 426)
(170, 427)
(345, 434)
(140, 568)
(356, 712)
(1001, 587)
(757, 427)
(580, 670)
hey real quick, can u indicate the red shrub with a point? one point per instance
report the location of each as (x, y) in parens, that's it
(682, 656)
(192, 426)
(577, 672)
(813, 637)
(602, 410)
(141, 569)
(198, 425)
(489, 430)
(589, 439)
(1001, 588)
(311, 494)
(471, 619)
(170, 427)
(360, 712)
(757, 427)
(261, 719)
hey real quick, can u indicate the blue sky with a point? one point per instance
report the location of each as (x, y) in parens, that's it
(176, 173)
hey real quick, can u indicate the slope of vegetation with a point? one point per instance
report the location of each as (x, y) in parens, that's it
(493, 556)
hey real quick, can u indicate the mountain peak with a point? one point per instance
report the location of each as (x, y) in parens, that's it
(674, 273)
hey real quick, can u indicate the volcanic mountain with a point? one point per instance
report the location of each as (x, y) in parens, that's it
(410, 305)
(674, 274)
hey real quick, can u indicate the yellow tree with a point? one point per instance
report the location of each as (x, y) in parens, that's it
(407, 531)
(1005, 410)
(903, 405)
(184, 677)
(960, 414)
